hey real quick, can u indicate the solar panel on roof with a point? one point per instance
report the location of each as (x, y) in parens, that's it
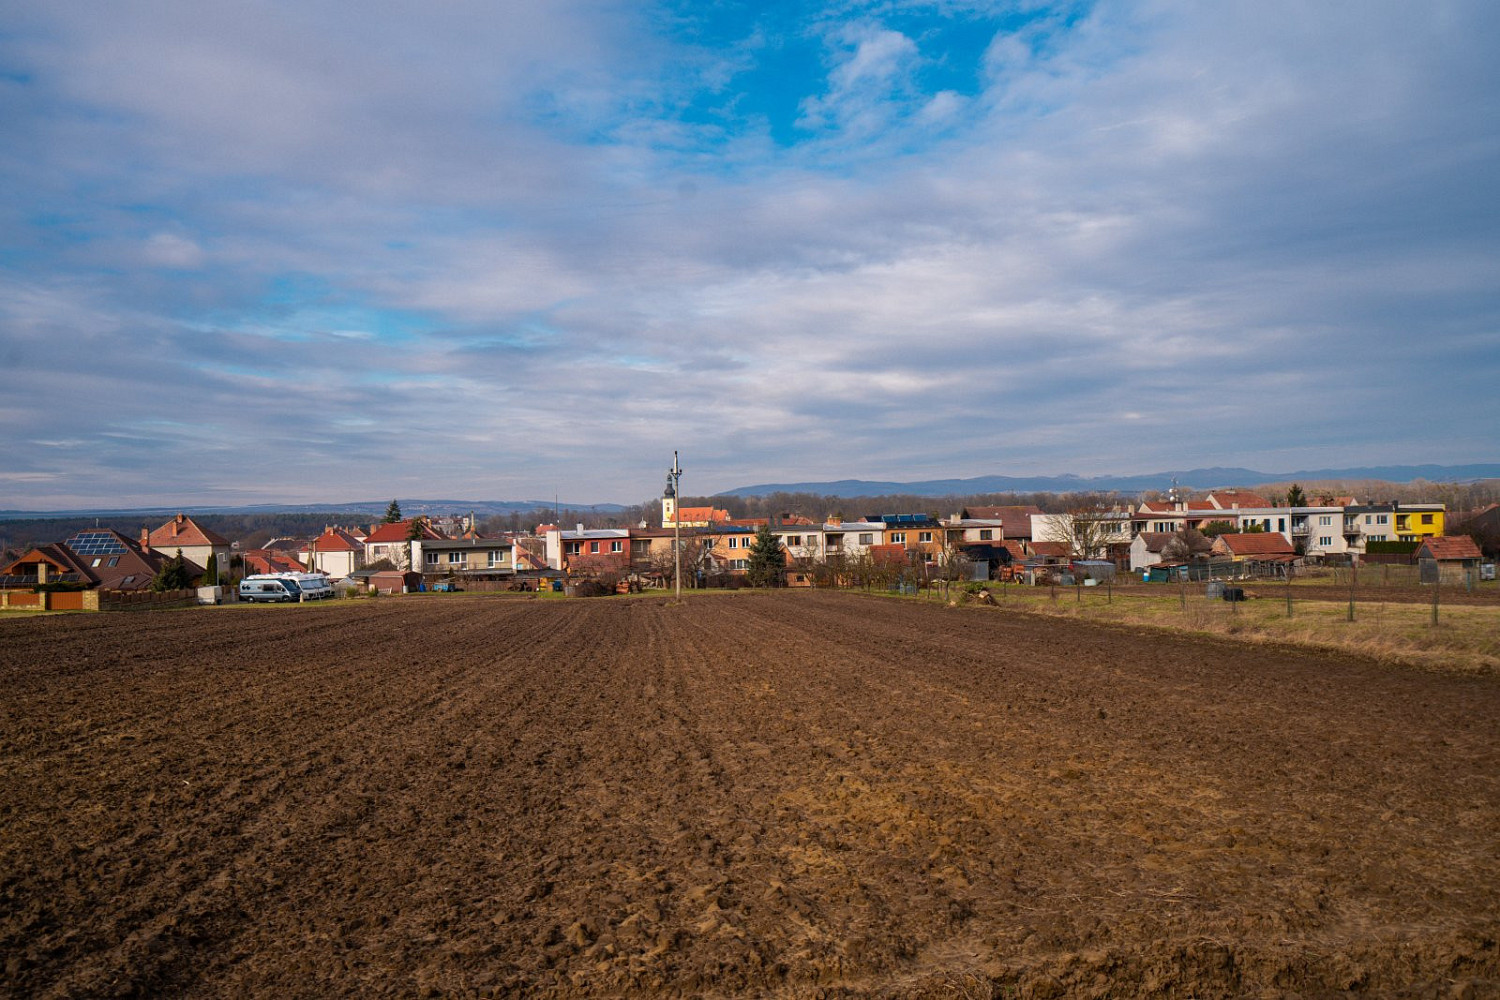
(95, 543)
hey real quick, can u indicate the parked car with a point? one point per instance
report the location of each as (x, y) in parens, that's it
(270, 589)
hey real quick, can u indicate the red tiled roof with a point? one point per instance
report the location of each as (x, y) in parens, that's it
(709, 514)
(337, 540)
(1058, 549)
(268, 561)
(60, 560)
(1451, 547)
(1259, 543)
(183, 530)
(397, 531)
(1226, 499)
(894, 553)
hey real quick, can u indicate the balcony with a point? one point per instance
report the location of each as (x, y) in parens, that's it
(1351, 527)
(1301, 528)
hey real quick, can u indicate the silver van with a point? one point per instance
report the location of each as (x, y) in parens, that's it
(269, 589)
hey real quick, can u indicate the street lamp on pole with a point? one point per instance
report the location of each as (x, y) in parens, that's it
(674, 480)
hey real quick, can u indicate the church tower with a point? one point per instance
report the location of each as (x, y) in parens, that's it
(669, 504)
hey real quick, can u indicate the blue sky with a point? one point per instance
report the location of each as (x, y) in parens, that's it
(321, 252)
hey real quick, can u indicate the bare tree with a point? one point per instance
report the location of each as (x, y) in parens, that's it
(1088, 531)
(1187, 544)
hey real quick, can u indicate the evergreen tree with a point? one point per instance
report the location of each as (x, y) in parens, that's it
(413, 534)
(211, 571)
(767, 564)
(1295, 497)
(392, 513)
(173, 575)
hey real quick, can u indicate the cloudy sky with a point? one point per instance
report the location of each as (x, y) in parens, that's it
(324, 251)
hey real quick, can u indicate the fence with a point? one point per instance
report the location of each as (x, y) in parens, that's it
(130, 600)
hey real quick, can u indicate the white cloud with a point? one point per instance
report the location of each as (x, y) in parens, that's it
(170, 250)
(496, 213)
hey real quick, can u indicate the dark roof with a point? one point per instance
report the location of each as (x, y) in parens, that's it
(902, 520)
(987, 551)
(1156, 540)
(1015, 519)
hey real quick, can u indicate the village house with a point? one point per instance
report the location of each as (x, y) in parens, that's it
(389, 541)
(254, 561)
(467, 559)
(196, 543)
(1014, 521)
(1147, 549)
(97, 560)
(337, 552)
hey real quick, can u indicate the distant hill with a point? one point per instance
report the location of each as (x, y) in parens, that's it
(365, 509)
(1190, 479)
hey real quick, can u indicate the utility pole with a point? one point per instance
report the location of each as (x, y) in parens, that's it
(674, 481)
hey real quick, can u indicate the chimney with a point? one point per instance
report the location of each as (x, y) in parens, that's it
(41, 572)
(145, 539)
(580, 527)
(836, 519)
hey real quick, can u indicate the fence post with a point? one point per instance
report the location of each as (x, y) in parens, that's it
(1353, 576)
(1437, 585)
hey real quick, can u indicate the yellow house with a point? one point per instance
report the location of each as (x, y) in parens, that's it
(1416, 521)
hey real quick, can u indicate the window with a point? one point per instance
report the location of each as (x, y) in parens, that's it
(1281, 524)
(985, 534)
(1325, 541)
(97, 560)
(1381, 519)
(497, 558)
(1426, 518)
(898, 538)
(738, 563)
(456, 558)
(573, 548)
(924, 536)
(593, 548)
(793, 540)
(432, 557)
(617, 546)
(734, 543)
(866, 538)
(1325, 520)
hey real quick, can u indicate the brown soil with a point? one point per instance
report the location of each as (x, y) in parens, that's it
(792, 795)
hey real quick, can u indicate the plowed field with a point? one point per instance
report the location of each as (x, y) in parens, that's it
(791, 795)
